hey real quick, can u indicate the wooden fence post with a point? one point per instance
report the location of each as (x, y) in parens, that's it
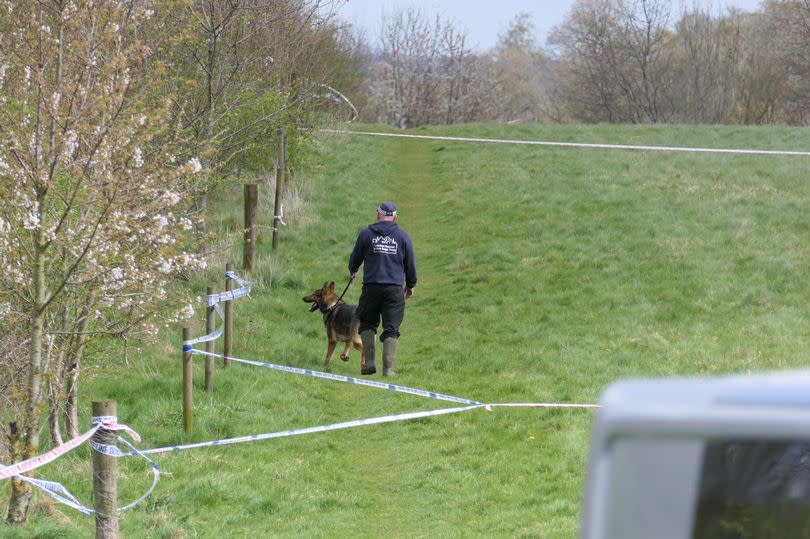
(187, 381)
(227, 339)
(210, 326)
(282, 157)
(251, 204)
(105, 480)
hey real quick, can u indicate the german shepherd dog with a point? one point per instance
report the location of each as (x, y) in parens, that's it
(339, 319)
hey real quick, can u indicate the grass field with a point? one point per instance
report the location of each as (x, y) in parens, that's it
(544, 275)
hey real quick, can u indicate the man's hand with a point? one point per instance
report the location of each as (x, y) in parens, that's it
(408, 292)
(353, 276)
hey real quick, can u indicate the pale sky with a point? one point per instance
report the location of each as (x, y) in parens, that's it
(482, 20)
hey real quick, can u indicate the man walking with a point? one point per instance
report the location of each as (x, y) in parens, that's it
(386, 252)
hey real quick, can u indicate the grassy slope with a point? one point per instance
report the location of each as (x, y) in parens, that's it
(545, 274)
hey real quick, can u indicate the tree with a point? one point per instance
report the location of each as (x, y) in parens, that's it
(786, 30)
(521, 72)
(584, 82)
(706, 55)
(423, 75)
(93, 182)
(246, 68)
(612, 64)
(762, 83)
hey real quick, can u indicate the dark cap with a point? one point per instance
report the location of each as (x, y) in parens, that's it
(387, 208)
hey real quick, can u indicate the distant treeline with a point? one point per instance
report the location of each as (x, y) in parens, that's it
(629, 61)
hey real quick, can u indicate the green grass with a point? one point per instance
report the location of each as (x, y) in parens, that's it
(544, 275)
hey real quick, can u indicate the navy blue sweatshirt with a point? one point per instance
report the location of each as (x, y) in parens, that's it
(386, 252)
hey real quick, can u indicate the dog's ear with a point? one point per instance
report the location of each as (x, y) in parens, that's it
(332, 285)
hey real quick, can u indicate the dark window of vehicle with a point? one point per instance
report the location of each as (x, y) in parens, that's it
(754, 489)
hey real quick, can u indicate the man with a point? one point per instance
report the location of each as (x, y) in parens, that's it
(386, 252)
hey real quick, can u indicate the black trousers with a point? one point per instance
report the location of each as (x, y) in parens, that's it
(381, 301)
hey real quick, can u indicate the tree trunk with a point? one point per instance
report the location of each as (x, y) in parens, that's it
(20, 490)
(72, 402)
(54, 406)
(73, 362)
(56, 383)
(28, 443)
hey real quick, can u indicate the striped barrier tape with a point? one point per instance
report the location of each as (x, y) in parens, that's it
(113, 451)
(341, 378)
(25, 466)
(308, 430)
(738, 151)
(214, 300)
(540, 405)
(243, 290)
(33, 463)
(57, 491)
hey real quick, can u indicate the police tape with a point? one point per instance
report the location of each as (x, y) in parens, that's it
(540, 405)
(341, 378)
(214, 300)
(307, 430)
(113, 451)
(33, 463)
(740, 151)
(25, 466)
(57, 491)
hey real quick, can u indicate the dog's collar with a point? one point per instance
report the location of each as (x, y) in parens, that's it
(327, 310)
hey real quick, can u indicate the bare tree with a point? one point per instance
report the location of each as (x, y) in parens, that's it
(613, 62)
(585, 84)
(423, 75)
(786, 30)
(706, 55)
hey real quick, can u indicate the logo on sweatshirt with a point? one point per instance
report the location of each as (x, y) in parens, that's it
(384, 244)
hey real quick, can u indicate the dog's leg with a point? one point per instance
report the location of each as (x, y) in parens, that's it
(358, 345)
(345, 354)
(330, 349)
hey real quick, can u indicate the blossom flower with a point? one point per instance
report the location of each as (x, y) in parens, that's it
(137, 158)
(193, 165)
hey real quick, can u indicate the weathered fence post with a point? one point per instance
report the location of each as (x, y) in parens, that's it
(210, 326)
(105, 481)
(227, 339)
(282, 151)
(187, 381)
(251, 204)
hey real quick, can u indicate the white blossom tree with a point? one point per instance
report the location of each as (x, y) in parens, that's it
(94, 187)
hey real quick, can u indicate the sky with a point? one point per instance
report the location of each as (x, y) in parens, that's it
(483, 20)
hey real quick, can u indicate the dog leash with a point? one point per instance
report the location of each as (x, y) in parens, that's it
(341, 296)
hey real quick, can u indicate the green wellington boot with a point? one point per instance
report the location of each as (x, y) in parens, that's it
(389, 352)
(368, 337)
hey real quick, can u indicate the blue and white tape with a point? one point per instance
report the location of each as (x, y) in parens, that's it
(113, 451)
(341, 378)
(58, 492)
(308, 430)
(214, 300)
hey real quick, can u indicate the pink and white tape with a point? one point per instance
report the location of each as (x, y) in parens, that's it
(25, 466)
